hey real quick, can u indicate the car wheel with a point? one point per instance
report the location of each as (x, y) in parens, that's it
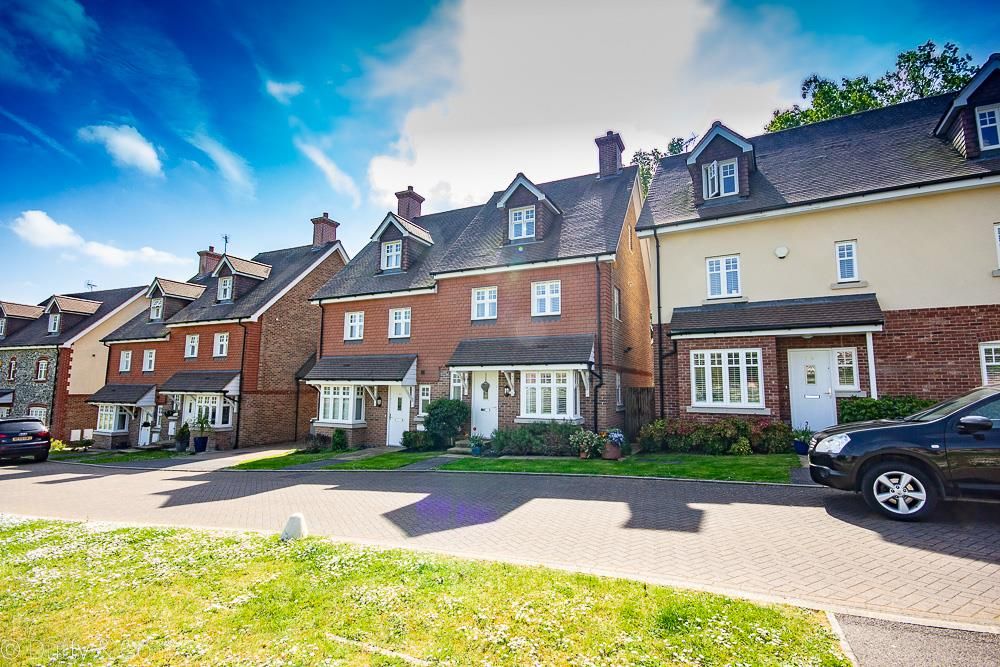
(900, 490)
(41, 457)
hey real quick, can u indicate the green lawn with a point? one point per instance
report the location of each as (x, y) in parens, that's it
(114, 457)
(755, 468)
(96, 595)
(389, 461)
(280, 461)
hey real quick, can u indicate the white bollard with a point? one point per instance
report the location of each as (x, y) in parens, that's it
(295, 528)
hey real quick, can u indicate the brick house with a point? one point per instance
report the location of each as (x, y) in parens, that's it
(529, 307)
(227, 344)
(52, 358)
(858, 256)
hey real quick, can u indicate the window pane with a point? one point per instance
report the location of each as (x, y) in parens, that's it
(531, 400)
(735, 383)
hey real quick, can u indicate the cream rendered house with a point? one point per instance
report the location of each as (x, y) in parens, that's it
(853, 257)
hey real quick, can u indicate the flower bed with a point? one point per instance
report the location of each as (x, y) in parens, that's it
(725, 436)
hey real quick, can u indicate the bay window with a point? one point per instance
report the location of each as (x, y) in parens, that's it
(549, 394)
(341, 404)
(727, 378)
(216, 409)
(112, 419)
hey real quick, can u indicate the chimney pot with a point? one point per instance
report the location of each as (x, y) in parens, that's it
(408, 203)
(324, 230)
(211, 248)
(609, 153)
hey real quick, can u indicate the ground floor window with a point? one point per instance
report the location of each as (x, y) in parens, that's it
(727, 378)
(216, 409)
(342, 404)
(457, 387)
(846, 365)
(4, 411)
(989, 356)
(549, 394)
(112, 419)
(40, 413)
(425, 399)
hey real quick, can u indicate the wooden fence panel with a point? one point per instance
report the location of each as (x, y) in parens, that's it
(638, 410)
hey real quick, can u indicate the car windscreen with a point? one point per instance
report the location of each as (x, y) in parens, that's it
(28, 425)
(950, 406)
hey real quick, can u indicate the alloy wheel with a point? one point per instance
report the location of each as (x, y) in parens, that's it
(899, 492)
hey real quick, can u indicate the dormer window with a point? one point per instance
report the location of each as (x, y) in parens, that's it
(156, 309)
(719, 179)
(392, 255)
(3, 326)
(522, 223)
(989, 133)
(226, 288)
(54, 323)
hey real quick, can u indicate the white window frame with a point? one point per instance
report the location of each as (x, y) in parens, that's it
(125, 361)
(108, 417)
(724, 270)
(835, 364)
(42, 370)
(519, 217)
(404, 321)
(995, 108)
(54, 319)
(4, 411)
(155, 308)
(456, 383)
(148, 361)
(619, 397)
(488, 302)
(191, 346)
(423, 399)
(994, 353)
(996, 240)
(220, 345)
(341, 404)
(713, 181)
(40, 413)
(551, 298)
(392, 255)
(215, 407)
(12, 369)
(225, 288)
(616, 303)
(354, 325)
(533, 386)
(851, 247)
(3, 326)
(743, 364)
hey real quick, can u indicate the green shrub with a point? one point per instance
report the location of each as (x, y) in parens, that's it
(537, 439)
(724, 436)
(653, 436)
(777, 438)
(57, 446)
(417, 441)
(588, 443)
(317, 442)
(446, 418)
(741, 447)
(183, 434)
(338, 440)
(887, 407)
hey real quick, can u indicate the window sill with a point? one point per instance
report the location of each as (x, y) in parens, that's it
(483, 321)
(996, 274)
(398, 340)
(343, 425)
(533, 420)
(724, 299)
(96, 432)
(849, 284)
(721, 410)
(554, 317)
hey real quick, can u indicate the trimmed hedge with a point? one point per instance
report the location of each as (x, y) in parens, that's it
(446, 418)
(538, 439)
(417, 441)
(725, 436)
(887, 407)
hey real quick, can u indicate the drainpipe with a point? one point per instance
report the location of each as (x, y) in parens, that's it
(239, 399)
(600, 339)
(659, 321)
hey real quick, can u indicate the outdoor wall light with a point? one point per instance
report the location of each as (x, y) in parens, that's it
(378, 402)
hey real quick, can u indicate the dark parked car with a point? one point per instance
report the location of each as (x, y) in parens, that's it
(903, 467)
(24, 436)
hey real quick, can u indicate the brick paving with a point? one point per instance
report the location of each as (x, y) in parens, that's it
(812, 545)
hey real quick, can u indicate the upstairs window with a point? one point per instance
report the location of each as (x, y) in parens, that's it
(399, 323)
(989, 134)
(546, 298)
(226, 288)
(3, 326)
(191, 346)
(42, 370)
(996, 239)
(54, 323)
(522, 222)
(156, 309)
(847, 261)
(148, 361)
(616, 303)
(392, 255)
(12, 369)
(220, 348)
(125, 361)
(354, 326)
(723, 276)
(484, 303)
(719, 179)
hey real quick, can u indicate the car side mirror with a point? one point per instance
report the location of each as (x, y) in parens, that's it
(974, 424)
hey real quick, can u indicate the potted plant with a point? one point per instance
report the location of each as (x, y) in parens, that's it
(203, 425)
(182, 438)
(476, 443)
(802, 437)
(614, 440)
(588, 443)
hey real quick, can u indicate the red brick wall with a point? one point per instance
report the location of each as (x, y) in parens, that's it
(768, 364)
(799, 343)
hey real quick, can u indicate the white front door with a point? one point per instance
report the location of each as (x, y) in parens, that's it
(399, 416)
(144, 431)
(485, 406)
(810, 384)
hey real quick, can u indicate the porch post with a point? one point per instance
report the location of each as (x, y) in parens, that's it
(872, 384)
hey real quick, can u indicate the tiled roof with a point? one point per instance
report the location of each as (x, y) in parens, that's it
(179, 290)
(199, 381)
(386, 367)
(524, 350)
(23, 311)
(415, 229)
(76, 305)
(827, 311)
(36, 333)
(593, 213)
(249, 267)
(121, 394)
(866, 152)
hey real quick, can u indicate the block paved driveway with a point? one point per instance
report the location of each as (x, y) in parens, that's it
(808, 545)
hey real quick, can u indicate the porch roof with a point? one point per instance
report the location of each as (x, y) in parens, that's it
(524, 351)
(124, 394)
(201, 382)
(827, 311)
(6, 396)
(364, 368)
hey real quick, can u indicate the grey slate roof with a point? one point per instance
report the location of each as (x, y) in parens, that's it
(390, 367)
(198, 381)
(36, 333)
(826, 311)
(866, 152)
(139, 327)
(121, 394)
(525, 350)
(473, 238)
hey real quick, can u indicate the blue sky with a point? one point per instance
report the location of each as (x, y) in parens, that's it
(133, 135)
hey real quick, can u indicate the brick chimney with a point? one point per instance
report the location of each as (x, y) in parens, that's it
(609, 153)
(208, 260)
(324, 230)
(409, 203)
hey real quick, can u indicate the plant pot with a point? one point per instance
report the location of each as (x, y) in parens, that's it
(584, 455)
(200, 443)
(611, 452)
(180, 446)
(477, 450)
(801, 447)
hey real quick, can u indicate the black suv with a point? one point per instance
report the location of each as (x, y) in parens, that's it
(23, 436)
(903, 467)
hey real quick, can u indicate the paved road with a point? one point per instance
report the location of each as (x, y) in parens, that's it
(876, 643)
(806, 545)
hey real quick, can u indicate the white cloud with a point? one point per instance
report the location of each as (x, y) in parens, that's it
(337, 179)
(283, 92)
(233, 168)
(512, 95)
(125, 145)
(40, 230)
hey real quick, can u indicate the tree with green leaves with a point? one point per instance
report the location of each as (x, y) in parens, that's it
(647, 160)
(920, 72)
